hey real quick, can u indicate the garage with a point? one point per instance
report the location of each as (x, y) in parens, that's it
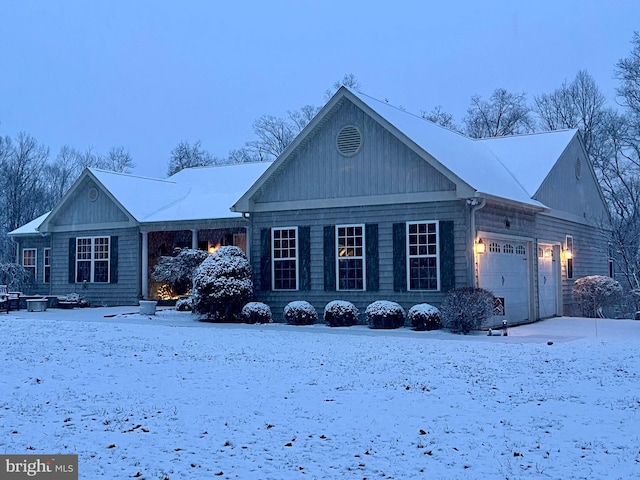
(504, 270)
(547, 281)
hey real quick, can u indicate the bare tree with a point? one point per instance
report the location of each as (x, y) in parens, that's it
(119, 160)
(185, 155)
(503, 114)
(349, 80)
(628, 73)
(438, 116)
(579, 104)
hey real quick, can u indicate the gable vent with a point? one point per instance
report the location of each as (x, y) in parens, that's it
(349, 140)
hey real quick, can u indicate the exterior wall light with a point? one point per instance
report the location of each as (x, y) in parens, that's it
(480, 246)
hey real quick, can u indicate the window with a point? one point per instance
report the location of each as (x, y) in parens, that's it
(285, 258)
(92, 259)
(29, 258)
(422, 248)
(568, 253)
(350, 257)
(47, 265)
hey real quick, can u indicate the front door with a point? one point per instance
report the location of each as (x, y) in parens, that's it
(547, 281)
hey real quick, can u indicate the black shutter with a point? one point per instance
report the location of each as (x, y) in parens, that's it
(265, 259)
(113, 260)
(330, 258)
(400, 257)
(371, 236)
(304, 254)
(72, 260)
(447, 256)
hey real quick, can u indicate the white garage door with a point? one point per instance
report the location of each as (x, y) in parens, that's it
(547, 281)
(504, 270)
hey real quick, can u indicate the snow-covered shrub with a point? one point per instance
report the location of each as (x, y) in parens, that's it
(466, 309)
(185, 304)
(339, 313)
(15, 277)
(300, 313)
(177, 272)
(425, 317)
(256, 312)
(222, 285)
(595, 292)
(385, 314)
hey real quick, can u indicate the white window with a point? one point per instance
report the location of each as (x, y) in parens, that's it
(29, 261)
(422, 248)
(284, 254)
(350, 244)
(47, 266)
(92, 259)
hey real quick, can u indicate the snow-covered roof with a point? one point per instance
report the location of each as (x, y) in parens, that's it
(191, 194)
(477, 163)
(530, 157)
(30, 228)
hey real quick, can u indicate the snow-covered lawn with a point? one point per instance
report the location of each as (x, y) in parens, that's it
(147, 397)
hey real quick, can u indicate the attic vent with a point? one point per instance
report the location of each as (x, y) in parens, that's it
(578, 167)
(349, 140)
(93, 194)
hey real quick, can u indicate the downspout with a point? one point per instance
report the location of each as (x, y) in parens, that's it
(475, 206)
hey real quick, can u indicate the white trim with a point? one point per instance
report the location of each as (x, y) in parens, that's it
(437, 255)
(92, 260)
(44, 264)
(35, 262)
(363, 257)
(296, 259)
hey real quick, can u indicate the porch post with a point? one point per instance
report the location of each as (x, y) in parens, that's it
(145, 264)
(194, 239)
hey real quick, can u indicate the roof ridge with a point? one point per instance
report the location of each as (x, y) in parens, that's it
(130, 175)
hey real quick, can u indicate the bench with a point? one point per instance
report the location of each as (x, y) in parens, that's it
(9, 300)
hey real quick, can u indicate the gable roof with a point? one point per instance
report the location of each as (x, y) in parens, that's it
(192, 194)
(475, 166)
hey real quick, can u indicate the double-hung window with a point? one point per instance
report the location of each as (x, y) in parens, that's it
(422, 248)
(284, 243)
(350, 244)
(46, 277)
(92, 259)
(29, 261)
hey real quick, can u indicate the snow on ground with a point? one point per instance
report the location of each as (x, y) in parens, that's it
(146, 397)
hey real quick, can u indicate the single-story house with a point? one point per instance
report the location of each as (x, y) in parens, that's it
(369, 202)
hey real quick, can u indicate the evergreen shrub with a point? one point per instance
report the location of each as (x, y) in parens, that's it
(425, 317)
(385, 314)
(340, 313)
(300, 313)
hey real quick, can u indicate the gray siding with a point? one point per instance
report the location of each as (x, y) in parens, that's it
(566, 191)
(384, 217)
(81, 210)
(39, 243)
(125, 292)
(383, 166)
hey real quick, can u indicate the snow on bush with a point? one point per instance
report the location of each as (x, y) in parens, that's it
(177, 272)
(340, 313)
(385, 314)
(222, 285)
(15, 277)
(184, 304)
(595, 292)
(256, 312)
(466, 309)
(425, 317)
(300, 313)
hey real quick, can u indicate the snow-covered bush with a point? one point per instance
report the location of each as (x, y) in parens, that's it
(177, 272)
(185, 304)
(385, 314)
(466, 309)
(15, 277)
(339, 313)
(222, 285)
(300, 313)
(425, 317)
(595, 292)
(256, 312)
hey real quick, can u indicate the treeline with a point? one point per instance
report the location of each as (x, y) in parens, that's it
(31, 183)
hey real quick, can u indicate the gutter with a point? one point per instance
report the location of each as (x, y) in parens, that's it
(475, 206)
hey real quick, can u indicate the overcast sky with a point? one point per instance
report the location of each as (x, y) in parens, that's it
(148, 74)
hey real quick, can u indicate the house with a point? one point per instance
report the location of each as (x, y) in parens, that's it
(369, 202)
(105, 235)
